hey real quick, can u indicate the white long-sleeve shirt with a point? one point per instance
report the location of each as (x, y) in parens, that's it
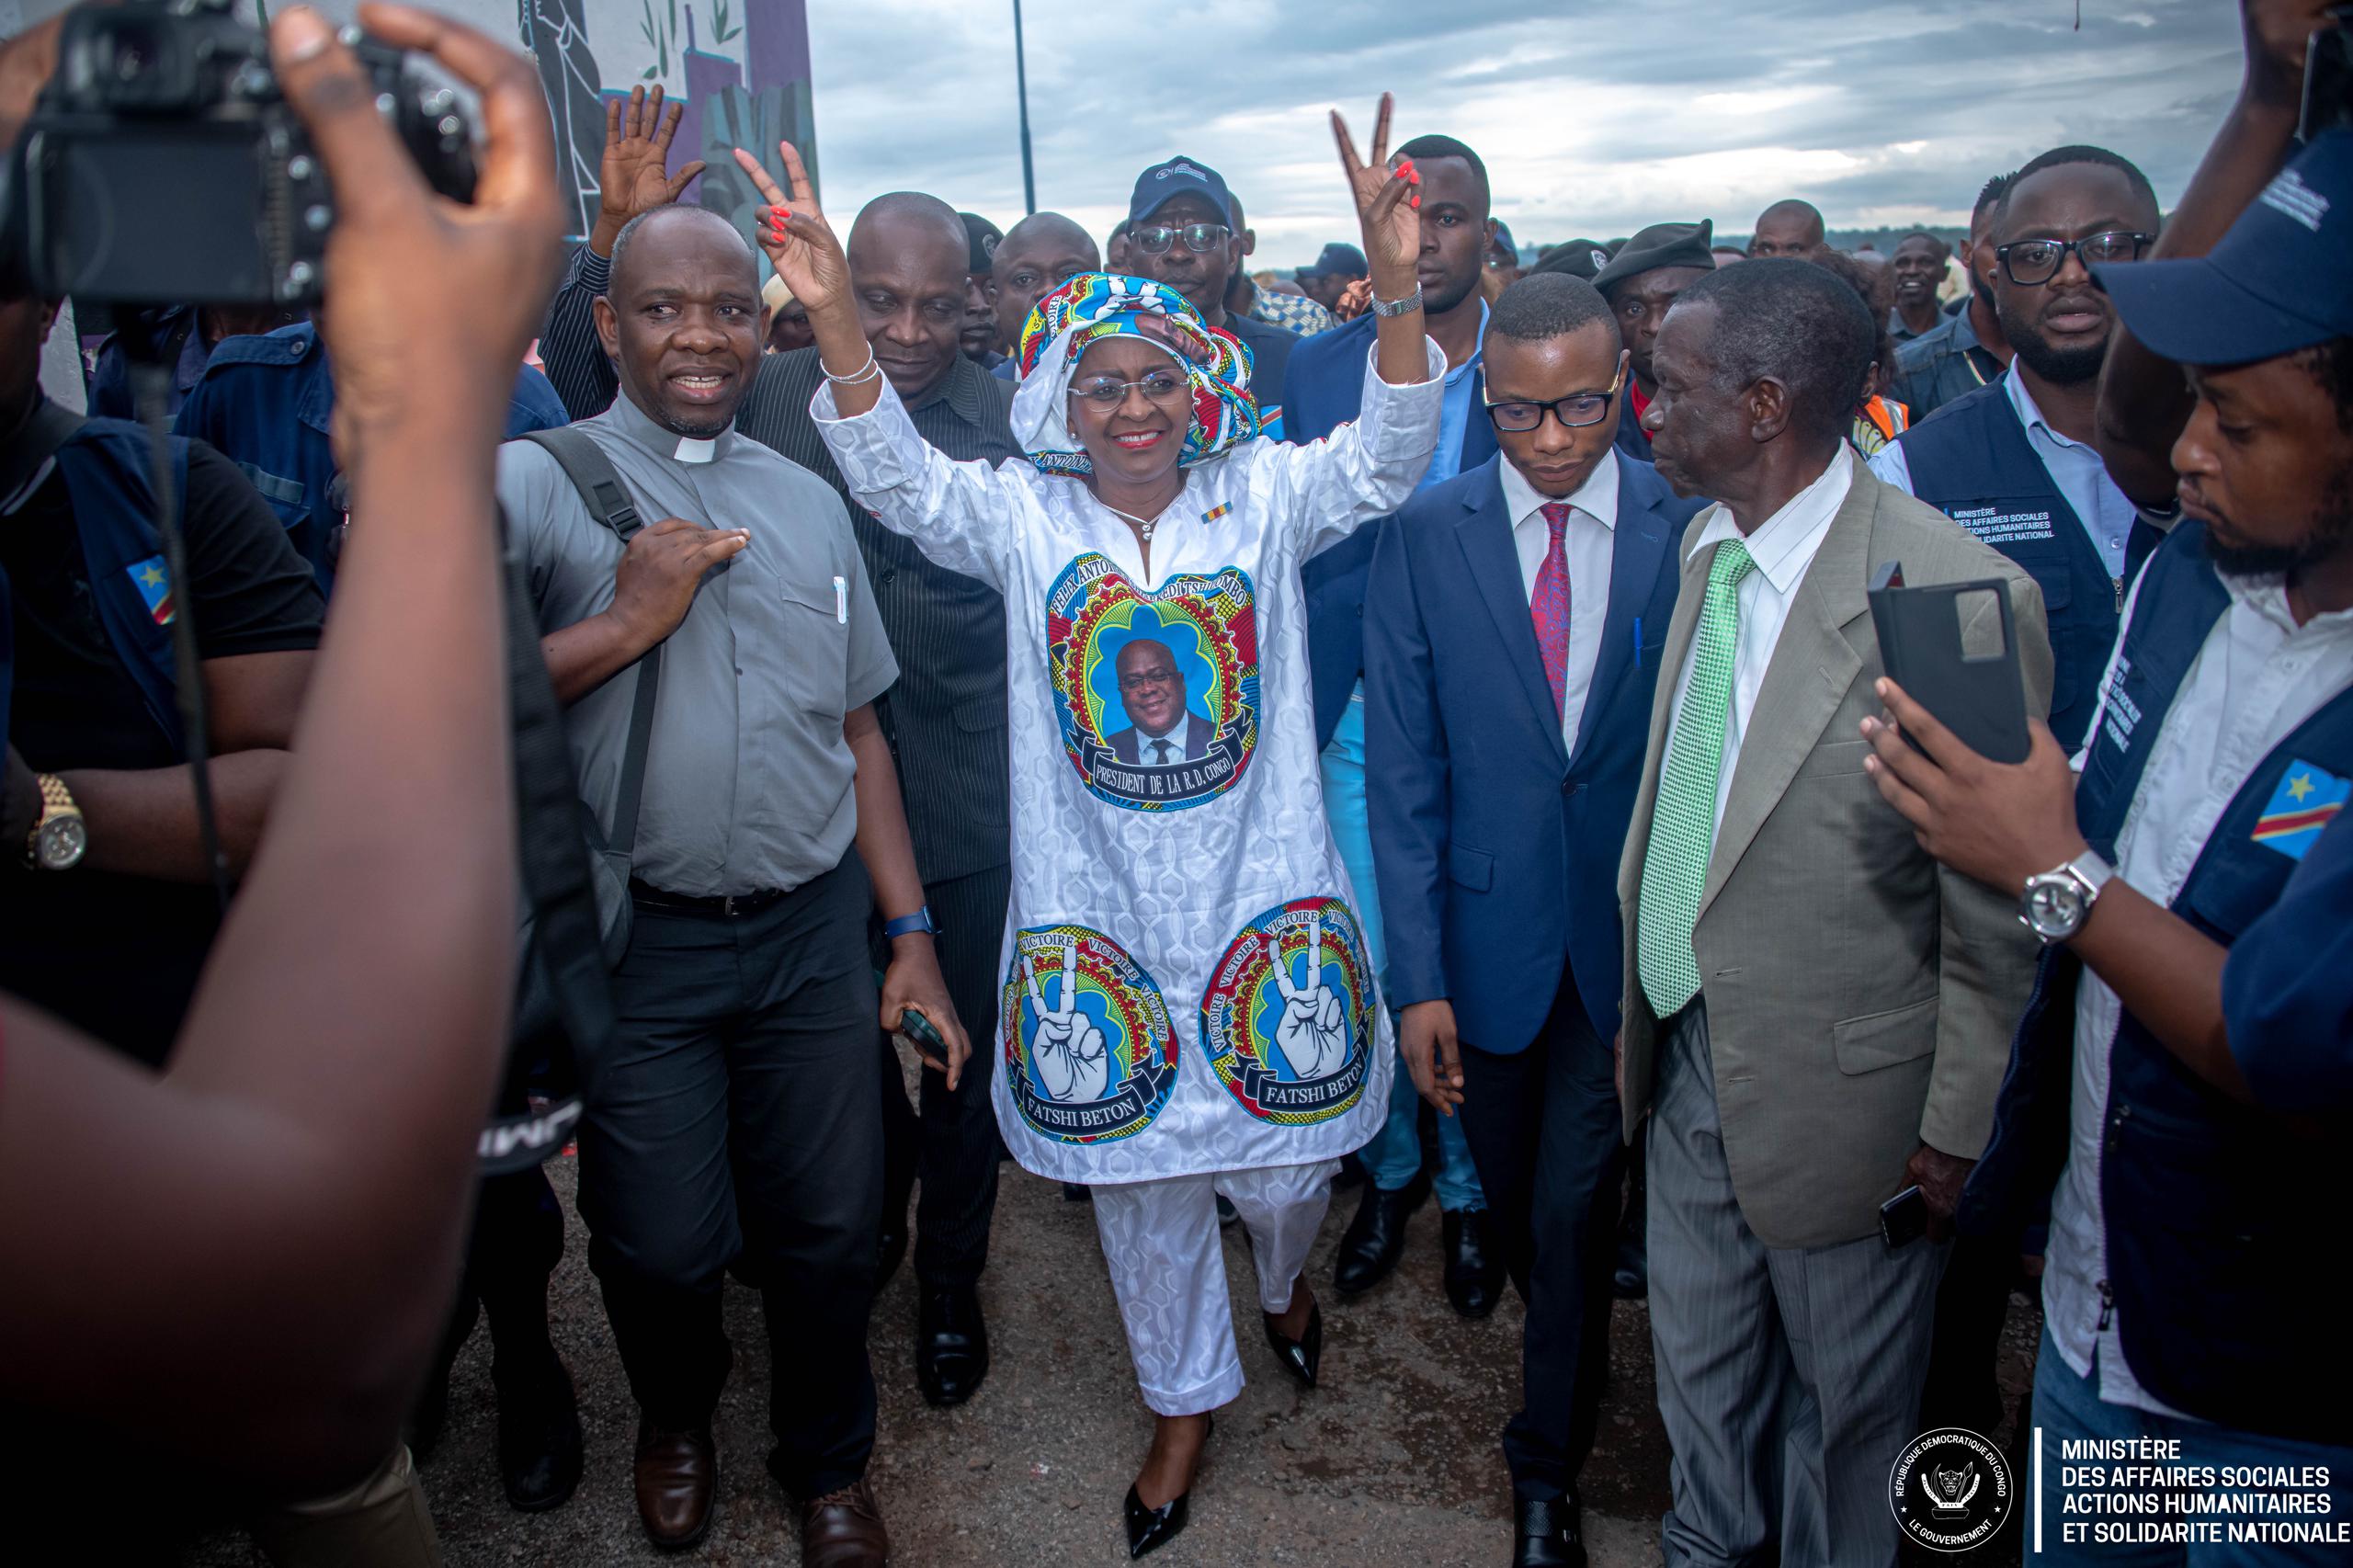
(1189, 891)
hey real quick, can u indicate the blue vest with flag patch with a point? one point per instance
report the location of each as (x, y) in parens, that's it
(104, 465)
(2218, 1216)
(1971, 461)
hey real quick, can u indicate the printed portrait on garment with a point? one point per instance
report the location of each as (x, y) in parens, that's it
(1288, 1024)
(1157, 693)
(1090, 1051)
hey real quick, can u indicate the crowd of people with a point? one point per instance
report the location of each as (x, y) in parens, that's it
(1412, 726)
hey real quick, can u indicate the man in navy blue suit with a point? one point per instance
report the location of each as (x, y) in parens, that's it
(1326, 381)
(1513, 624)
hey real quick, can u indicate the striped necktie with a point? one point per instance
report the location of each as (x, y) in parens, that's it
(1683, 820)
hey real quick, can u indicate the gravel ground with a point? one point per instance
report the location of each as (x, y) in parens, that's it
(1393, 1461)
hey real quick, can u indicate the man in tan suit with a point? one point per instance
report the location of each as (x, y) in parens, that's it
(1817, 1013)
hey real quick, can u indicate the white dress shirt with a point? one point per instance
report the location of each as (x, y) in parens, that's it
(2256, 678)
(1783, 546)
(2074, 466)
(1588, 540)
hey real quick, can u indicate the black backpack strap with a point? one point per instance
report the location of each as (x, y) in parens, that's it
(565, 939)
(608, 501)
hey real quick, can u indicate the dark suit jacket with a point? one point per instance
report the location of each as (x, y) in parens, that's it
(1271, 351)
(1326, 391)
(1495, 845)
(1128, 745)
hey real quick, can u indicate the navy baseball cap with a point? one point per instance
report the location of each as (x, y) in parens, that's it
(2280, 280)
(1164, 183)
(1338, 261)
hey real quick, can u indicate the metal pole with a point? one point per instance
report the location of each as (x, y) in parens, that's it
(1021, 86)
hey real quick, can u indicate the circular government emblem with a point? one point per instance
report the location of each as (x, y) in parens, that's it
(1287, 1023)
(1089, 1052)
(1157, 693)
(1951, 1490)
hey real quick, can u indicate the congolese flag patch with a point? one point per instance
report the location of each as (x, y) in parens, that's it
(2308, 799)
(155, 586)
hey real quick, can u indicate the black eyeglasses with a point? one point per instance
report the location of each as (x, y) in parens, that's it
(2029, 263)
(1575, 411)
(1200, 238)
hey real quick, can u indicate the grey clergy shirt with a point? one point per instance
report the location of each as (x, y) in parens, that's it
(946, 718)
(748, 781)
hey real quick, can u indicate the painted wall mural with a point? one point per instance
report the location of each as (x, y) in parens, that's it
(740, 67)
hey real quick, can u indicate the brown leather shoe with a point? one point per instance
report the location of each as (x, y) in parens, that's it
(844, 1529)
(678, 1475)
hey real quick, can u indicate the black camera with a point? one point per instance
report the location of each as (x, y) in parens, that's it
(162, 162)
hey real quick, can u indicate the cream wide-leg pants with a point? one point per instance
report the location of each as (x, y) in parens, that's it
(1168, 1270)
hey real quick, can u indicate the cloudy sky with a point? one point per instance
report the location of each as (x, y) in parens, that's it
(1593, 120)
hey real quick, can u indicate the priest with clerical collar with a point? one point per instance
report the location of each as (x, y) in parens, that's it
(736, 1122)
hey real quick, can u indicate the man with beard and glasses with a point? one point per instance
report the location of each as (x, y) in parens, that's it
(1969, 350)
(737, 1124)
(2191, 1160)
(2014, 462)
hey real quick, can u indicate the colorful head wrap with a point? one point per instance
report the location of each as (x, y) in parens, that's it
(1096, 305)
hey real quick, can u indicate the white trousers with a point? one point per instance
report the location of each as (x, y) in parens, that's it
(1168, 1270)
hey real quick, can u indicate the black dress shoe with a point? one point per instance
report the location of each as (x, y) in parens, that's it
(1151, 1529)
(951, 1343)
(1473, 1275)
(1300, 1357)
(1375, 1239)
(1226, 1213)
(539, 1438)
(1550, 1533)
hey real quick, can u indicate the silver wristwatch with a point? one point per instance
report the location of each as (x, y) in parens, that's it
(2056, 903)
(1412, 302)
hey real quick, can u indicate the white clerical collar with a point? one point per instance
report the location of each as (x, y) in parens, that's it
(693, 450)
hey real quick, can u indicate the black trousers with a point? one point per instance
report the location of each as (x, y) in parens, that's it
(517, 1241)
(1544, 1133)
(952, 1145)
(736, 1126)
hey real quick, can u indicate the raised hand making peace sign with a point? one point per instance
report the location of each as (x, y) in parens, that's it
(1313, 1035)
(801, 245)
(1389, 211)
(1072, 1062)
(1387, 205)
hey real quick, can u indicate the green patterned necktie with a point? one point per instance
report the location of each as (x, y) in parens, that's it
(1683, 821)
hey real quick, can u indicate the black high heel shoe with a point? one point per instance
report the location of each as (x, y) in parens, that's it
(1151, 1528)
(1300, 1357)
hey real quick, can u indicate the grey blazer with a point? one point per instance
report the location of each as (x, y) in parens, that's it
(1860, 997)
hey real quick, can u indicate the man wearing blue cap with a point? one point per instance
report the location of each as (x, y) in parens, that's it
(2190, 1158)
(1181, 233)
(2013, 462)
(1335, 268)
